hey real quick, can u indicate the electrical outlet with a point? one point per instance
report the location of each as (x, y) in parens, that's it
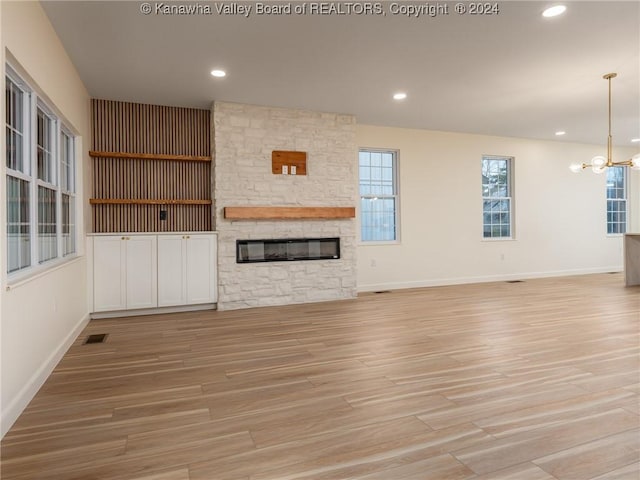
(285, 169)
(293, 169)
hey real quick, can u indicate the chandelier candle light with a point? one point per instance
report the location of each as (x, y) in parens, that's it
(599, 163)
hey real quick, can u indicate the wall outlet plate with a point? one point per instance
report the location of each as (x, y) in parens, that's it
(285, 169)
(293, 169)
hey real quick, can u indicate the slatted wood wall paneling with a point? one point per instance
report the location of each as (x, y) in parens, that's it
(148, 158)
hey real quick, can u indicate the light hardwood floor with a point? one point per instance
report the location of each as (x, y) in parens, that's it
(504, 381)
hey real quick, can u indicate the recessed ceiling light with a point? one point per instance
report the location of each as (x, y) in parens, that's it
(218, 73)
(635, 140)
(560, 133)
(399, 96)
(554, 11)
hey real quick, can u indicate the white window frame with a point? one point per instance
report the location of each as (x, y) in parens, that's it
(509, 198)
(27, 168)
(396, 196)
(32, 103)
(53, 183)
(69, 189)
(623, 201)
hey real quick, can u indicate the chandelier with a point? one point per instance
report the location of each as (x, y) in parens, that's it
(599, 163)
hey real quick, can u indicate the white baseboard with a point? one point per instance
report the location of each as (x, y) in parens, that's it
(374, 287)
(11, 412)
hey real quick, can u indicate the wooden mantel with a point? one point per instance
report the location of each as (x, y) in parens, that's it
(288, 213)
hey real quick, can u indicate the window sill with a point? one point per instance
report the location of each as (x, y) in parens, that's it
(498, 239)
(18, 279)
(375, 243)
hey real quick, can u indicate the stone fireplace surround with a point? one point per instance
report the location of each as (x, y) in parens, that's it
(244, 138)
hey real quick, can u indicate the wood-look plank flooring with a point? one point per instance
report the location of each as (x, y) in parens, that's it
(500, 381)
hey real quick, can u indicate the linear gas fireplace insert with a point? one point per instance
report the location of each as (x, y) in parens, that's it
(287, 249)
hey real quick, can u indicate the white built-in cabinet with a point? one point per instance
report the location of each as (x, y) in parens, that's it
(125, 272)
(136, 271)
(185, 272)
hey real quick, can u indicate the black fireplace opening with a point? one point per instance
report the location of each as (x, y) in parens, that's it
(287, 249)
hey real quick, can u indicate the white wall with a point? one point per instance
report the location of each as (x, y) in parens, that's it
(41, 315)
(559, 216)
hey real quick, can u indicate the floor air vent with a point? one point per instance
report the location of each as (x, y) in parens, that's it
(515, 281)
(96, 338)
(383, 291)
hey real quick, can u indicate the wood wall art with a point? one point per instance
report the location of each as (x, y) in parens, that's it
(288, 162)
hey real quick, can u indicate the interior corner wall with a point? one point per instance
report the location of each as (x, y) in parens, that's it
(560, 217)
(42, 315)
(245, 137)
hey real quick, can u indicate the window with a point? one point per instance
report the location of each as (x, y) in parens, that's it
(45, 144)
(40, 180)
(18, 179)
(67, 188)
(616, 200)
(497, 208)
(378, 171)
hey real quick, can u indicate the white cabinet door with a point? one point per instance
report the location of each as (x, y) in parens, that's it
(109, 279)
(172, 288)
(149, 271)
(186, 269)
(124, 272)
(141, 271)
(201, 269)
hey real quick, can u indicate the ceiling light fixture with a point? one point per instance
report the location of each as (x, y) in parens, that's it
(599, 163)
(554, 11)
(635, 140)
(399, 96)
(218, 73)
(560, 133)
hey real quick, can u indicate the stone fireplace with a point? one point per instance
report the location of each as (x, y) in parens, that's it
(244, 138)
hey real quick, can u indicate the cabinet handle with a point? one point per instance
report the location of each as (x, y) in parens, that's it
(123, 238)
(188, 236)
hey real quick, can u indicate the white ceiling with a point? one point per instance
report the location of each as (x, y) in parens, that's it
(512, 74)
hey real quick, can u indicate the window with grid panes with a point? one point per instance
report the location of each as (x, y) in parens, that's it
(378, 195)
(497, 205)
(616, 200)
